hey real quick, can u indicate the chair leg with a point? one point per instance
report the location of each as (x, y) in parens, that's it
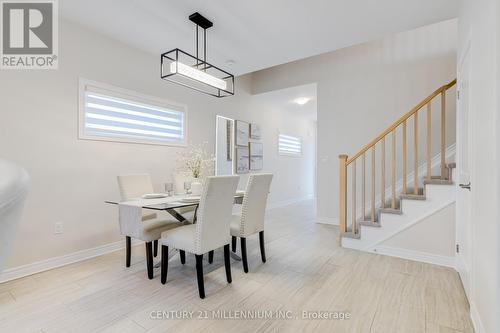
(155, 248)
(149, 259)
(227, 263)
(233, 243)
(164, 263)
(243, 242)
(211, 257)
(199, 274)
(182, 254)
(262, 249)
(128, 251)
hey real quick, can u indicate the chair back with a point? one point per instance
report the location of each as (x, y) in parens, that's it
(14, 183)
(134, 186)
(215, 212)
(254, 203)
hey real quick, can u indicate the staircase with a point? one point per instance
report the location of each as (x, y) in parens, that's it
(369, 217)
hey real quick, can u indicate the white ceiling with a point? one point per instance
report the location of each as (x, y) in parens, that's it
(284, 99)
(256, 34)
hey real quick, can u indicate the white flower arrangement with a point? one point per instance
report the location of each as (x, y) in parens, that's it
(196, 161)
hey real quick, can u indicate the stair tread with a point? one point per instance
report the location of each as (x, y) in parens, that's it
(391, 211)
(409, 190)
(413, 196)
(439, 177)
(350, 234)
(370, 224)
(438, 181)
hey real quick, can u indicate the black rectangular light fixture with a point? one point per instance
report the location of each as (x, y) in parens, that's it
(194, 72)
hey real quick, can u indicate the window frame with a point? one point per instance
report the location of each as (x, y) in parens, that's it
(132, 96)
(281, 153)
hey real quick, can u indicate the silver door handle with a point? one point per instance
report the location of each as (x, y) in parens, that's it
(466, 186)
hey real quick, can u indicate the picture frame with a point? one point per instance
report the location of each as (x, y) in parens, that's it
(256, 153)
(242, 133)
(255, 131)
(242, 160)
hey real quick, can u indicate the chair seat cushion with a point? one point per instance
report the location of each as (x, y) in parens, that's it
(235, 225)
(181, 238)
(148, 216)
(238, 230)
(152, 229)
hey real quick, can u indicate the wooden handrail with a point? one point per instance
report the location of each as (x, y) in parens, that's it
(402, 119)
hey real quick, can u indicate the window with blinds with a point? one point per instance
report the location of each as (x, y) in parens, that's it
(289, 145)
(112, 114)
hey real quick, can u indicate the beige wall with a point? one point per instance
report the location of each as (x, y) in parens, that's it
(71, 178)
(363, 89)
(479, 29)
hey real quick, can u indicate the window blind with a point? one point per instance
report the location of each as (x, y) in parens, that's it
(289, 145)
(108, 116)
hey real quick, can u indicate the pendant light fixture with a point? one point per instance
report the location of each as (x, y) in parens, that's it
(195, 72)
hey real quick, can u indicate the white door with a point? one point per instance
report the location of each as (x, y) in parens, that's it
(464, 181)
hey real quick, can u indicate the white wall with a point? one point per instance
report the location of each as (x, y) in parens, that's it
(434, 235)
(479, 28)
(72, 178)
(362, 89)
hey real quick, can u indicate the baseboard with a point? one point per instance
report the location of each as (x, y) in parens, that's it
(288, 202)
(416, 256)
(476, 319)
(44, 265)
(327, 220)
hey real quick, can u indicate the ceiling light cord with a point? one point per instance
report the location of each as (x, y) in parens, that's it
(205, 49)
(197, 43)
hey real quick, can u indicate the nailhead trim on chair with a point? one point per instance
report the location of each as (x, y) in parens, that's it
(199, 217)
(244, 206)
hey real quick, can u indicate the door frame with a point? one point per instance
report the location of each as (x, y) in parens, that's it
(464, 232)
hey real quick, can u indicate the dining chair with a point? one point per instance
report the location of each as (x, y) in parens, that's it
(210, 232)
(150, 227)
(251, 219)
(14, 184)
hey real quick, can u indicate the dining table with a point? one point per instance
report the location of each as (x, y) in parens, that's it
(172, 203)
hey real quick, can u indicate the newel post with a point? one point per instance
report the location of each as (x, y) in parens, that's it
(342, 196)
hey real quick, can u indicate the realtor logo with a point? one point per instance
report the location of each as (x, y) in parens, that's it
(29, 34)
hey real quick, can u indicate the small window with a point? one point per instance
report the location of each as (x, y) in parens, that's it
(289, 145)
(111, 114)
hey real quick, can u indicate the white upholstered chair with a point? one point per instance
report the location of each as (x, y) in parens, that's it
(149, 231)
(14, 183)
(210, 232)
(251, 219)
